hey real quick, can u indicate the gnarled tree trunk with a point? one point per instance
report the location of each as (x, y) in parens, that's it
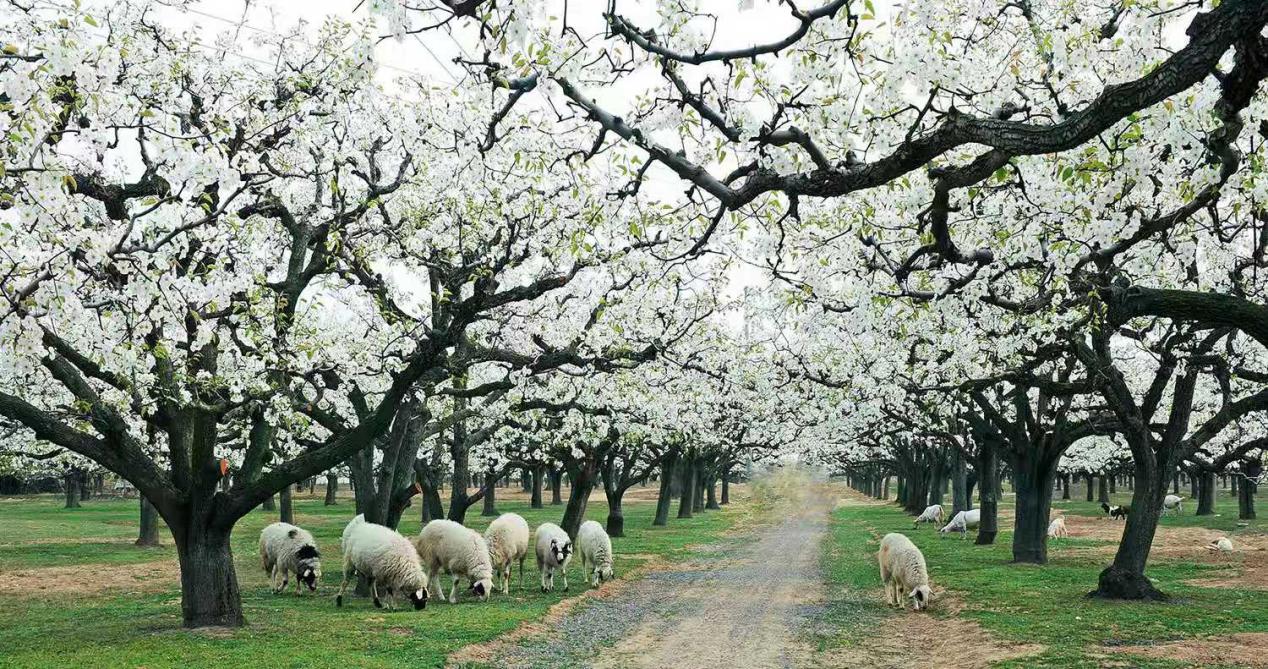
(148, 534)
(332, 489)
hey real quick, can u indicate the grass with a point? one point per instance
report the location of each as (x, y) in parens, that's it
(1041, 604)
(123, 628)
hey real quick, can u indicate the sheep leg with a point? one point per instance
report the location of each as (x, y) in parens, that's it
(344, 585)
(273, 579)
(453, 592)
(563, 569)
(508, 572)
(374, 590)
(432, 573)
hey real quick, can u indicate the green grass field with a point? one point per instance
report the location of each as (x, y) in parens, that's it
(1044, 604)
(74, 623)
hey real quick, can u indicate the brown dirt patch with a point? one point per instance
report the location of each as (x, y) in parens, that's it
(913, 639)
(1241, 650)
(90, 579)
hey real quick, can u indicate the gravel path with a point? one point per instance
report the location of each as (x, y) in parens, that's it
(742, 603)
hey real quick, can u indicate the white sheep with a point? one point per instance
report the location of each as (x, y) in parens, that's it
(554, 550)
(1222, 545)
(595, 547)
(446, 546)
(963, 521)
(903, 571)
(931, 514)
(507, 538)
(285, 548)
(1057, 529)
(386, 558)
(1172, 503)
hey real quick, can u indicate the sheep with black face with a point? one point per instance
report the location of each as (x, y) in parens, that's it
(286, 549)
(554, 550)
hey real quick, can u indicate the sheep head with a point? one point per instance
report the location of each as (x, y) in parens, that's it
(482, 588)
(920, 597)
(419, 599)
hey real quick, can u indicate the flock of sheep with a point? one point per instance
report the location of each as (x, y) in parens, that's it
(902, 564)
(400, 567)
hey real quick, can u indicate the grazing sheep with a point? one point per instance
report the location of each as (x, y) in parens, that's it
(285, 548)
(963, 521)
(1056, 529)
(386, 558)
(595, 548)
(1116, 512)
(1172, 503)
(903, 572)
(554, 550)
(931, 514)
(444, 545)
(507, 538)
(1222, 545)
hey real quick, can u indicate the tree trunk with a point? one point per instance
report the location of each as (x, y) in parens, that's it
(697, 497)
(332, 489)
(209, 586)
(688, 487)
(1102, 489)
(616, 514)
(1206, 493)
(72, 490)
(490, 503)
(1246, 499)
(988, 495)
(959, 485)
(287, 513)
(711, 500)
(556, 479)
(885, 489)
(937, 481)
(1033, 478)
(726, 485)
(269, 504)
(538, 473)
(581, 485)
(1065, 486)
(1232, 486)
(85, 490)
(664, 497)
(1125, 577)
(526, 479)
(148, 536)
(1090, 484)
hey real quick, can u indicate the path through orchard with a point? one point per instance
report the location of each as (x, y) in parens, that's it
(744, 602)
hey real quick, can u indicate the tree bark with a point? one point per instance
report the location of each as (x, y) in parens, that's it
(581, 484)
(1033, 477)
(556, 480)
(332, 489)
(664, 497)
(148, 534)
(71, 479)
(269, 504)
(1125, 577)
(726, 485)
(490, 503)
(287, 511)
(1206, 493)
(959, 484)
(1246, 499)
(988, 493)
(1065, 486)
(688, 487)
(711, 500)
(1091, 487)
(538, 473)
(1102, 489)
(209, 586)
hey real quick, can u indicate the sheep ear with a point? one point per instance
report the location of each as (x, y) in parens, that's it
(920, 596)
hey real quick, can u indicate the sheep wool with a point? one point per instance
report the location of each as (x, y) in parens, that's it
(1057, 529)
(1221, 545)
(386, 558)
(285, 548)
(507, 537)
(595, 547)
(903, 571)
(554, 550)
(931, 514)
(1173, 503)
(963, 521)
(446, 546)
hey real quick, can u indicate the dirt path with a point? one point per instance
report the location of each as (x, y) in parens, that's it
(739, 604)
